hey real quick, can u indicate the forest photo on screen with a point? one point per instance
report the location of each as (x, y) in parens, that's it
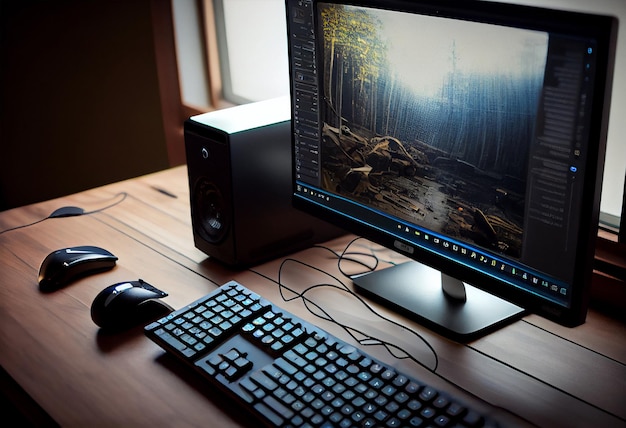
(430, 120)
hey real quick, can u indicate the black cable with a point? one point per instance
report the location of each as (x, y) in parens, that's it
(24, 225)
(344, 256)
(348, 329)
(68, 211)
(124, 195)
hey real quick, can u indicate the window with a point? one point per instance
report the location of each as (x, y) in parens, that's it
(252, 42)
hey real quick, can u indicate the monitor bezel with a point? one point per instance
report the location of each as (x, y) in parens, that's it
(601, 28)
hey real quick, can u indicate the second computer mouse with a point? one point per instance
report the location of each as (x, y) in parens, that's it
(63, 266)
(127, 304)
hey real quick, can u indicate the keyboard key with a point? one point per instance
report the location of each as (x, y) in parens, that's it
(285, 366)
(269, 414)
(264, 381)
(428, 394)
(284, 411)
(455, 410)
(288, 371)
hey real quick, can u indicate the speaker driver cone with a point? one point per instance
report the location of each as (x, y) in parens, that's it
(209, 204)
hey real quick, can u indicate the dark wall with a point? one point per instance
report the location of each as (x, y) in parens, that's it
(79, 97)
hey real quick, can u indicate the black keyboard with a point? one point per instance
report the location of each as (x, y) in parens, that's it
(288, 372)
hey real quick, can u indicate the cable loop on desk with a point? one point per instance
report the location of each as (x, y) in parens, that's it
(366, 340)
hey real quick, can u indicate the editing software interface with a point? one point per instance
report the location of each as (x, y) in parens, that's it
(474, 139)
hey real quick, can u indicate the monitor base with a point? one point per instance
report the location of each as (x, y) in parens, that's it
(416, 290)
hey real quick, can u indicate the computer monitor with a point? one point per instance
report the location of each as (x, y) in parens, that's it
(467, 135)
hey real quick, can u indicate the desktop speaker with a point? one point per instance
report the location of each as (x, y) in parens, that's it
(240, 185)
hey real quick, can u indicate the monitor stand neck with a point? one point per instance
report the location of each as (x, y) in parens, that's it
(446, 305)
(453, 288)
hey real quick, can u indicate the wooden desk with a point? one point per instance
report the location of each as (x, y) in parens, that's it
(544, 373)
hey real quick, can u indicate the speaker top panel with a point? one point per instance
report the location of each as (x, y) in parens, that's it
(247, 116)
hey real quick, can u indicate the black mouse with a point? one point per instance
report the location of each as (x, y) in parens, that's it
(126, 304)
(63, 266)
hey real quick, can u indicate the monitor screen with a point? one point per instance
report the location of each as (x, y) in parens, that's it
(467, 135)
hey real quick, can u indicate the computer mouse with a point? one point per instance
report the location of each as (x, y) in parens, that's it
(126, 304)
(63, 266)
